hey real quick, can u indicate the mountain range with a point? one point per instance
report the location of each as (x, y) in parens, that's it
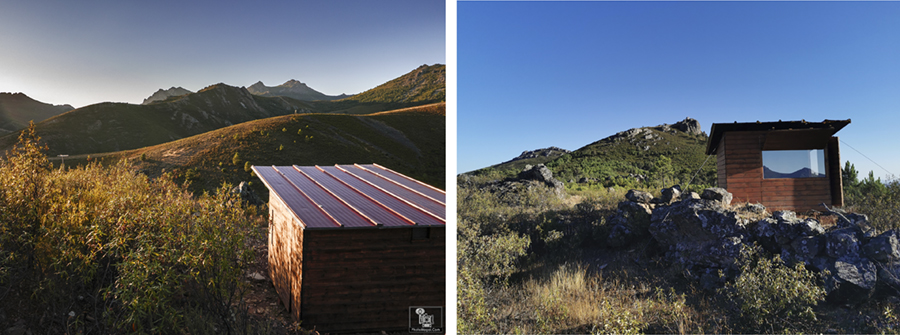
(161, 94)
(111, 127)
(17, 109)
(293, 89)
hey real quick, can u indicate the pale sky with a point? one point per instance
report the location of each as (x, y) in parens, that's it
(85, 52)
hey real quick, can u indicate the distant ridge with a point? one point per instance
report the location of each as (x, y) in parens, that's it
(424, 84)
(17, 109)
(161, 94)
(293, 89)
(109, 127)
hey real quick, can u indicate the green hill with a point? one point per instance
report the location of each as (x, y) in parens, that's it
(654, 156)
(409, 141)
(425, 84)
(17, 109)
(108, 127)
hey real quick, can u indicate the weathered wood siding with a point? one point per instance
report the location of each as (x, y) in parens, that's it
(366, 279)
(279, 249)
(743, 164)
(739, 159)
(833, 160)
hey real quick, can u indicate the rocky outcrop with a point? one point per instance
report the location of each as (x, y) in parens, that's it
(293, 89)
(529, 178)
(161, 94)
(545, 152)
(689, 125)
(247, 194)
(705, 235)
(542, 174)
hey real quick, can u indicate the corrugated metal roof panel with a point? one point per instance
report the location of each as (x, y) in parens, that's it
(295, 200)
(419, 199)
(408, 182)
(331, 204)
(388, 201)
(334, 197)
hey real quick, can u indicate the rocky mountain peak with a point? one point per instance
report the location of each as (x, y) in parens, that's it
(162, 94)
(689, 125)
(293, 83)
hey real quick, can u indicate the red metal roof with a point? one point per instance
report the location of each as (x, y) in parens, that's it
(354, 196)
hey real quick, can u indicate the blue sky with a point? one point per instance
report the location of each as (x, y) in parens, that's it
(539, 74)
(84, 52)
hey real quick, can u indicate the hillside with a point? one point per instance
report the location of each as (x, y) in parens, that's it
(637, 154)
(531, 157)
(425, 84)
(161, 94)
(109, 127)
(17, 109)
(292, 89)
(661, 154)
(410, 141)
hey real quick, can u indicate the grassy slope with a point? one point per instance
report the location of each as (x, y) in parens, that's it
(615, 157)
(17, 109)
(423, 85)
(411, 142)
(109, 127)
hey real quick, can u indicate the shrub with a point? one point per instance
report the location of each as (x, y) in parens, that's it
(247, 166)
(117, 251)
(236, 159)
(771, 296)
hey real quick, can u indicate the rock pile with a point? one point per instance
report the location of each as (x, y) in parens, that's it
(247, 194)
(705, 235)
(532, 176)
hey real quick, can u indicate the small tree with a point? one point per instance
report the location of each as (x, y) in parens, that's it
(247, 166)
(236, 160)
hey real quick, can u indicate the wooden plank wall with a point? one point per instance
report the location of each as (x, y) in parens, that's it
(721, 168)
(366, 279)
(743, 171)
(833, 160)
(280, 249)
(796, 194)
(743, 164)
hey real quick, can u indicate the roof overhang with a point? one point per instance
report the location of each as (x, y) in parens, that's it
(781, 135)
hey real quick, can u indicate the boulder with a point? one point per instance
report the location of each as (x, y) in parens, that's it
(699, 232)
(851, 280)
(247, 194)
(688, 125)
(842, 243)
(542, 174)
(632, 219)
(783, 228)
(804, 249)
(755, 208)
(717, 194)
(638, 196)
(888, 278)
(670, 194)
(884, 248)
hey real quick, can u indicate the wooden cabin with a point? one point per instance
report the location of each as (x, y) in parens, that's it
(793, 165)
(353, 247)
